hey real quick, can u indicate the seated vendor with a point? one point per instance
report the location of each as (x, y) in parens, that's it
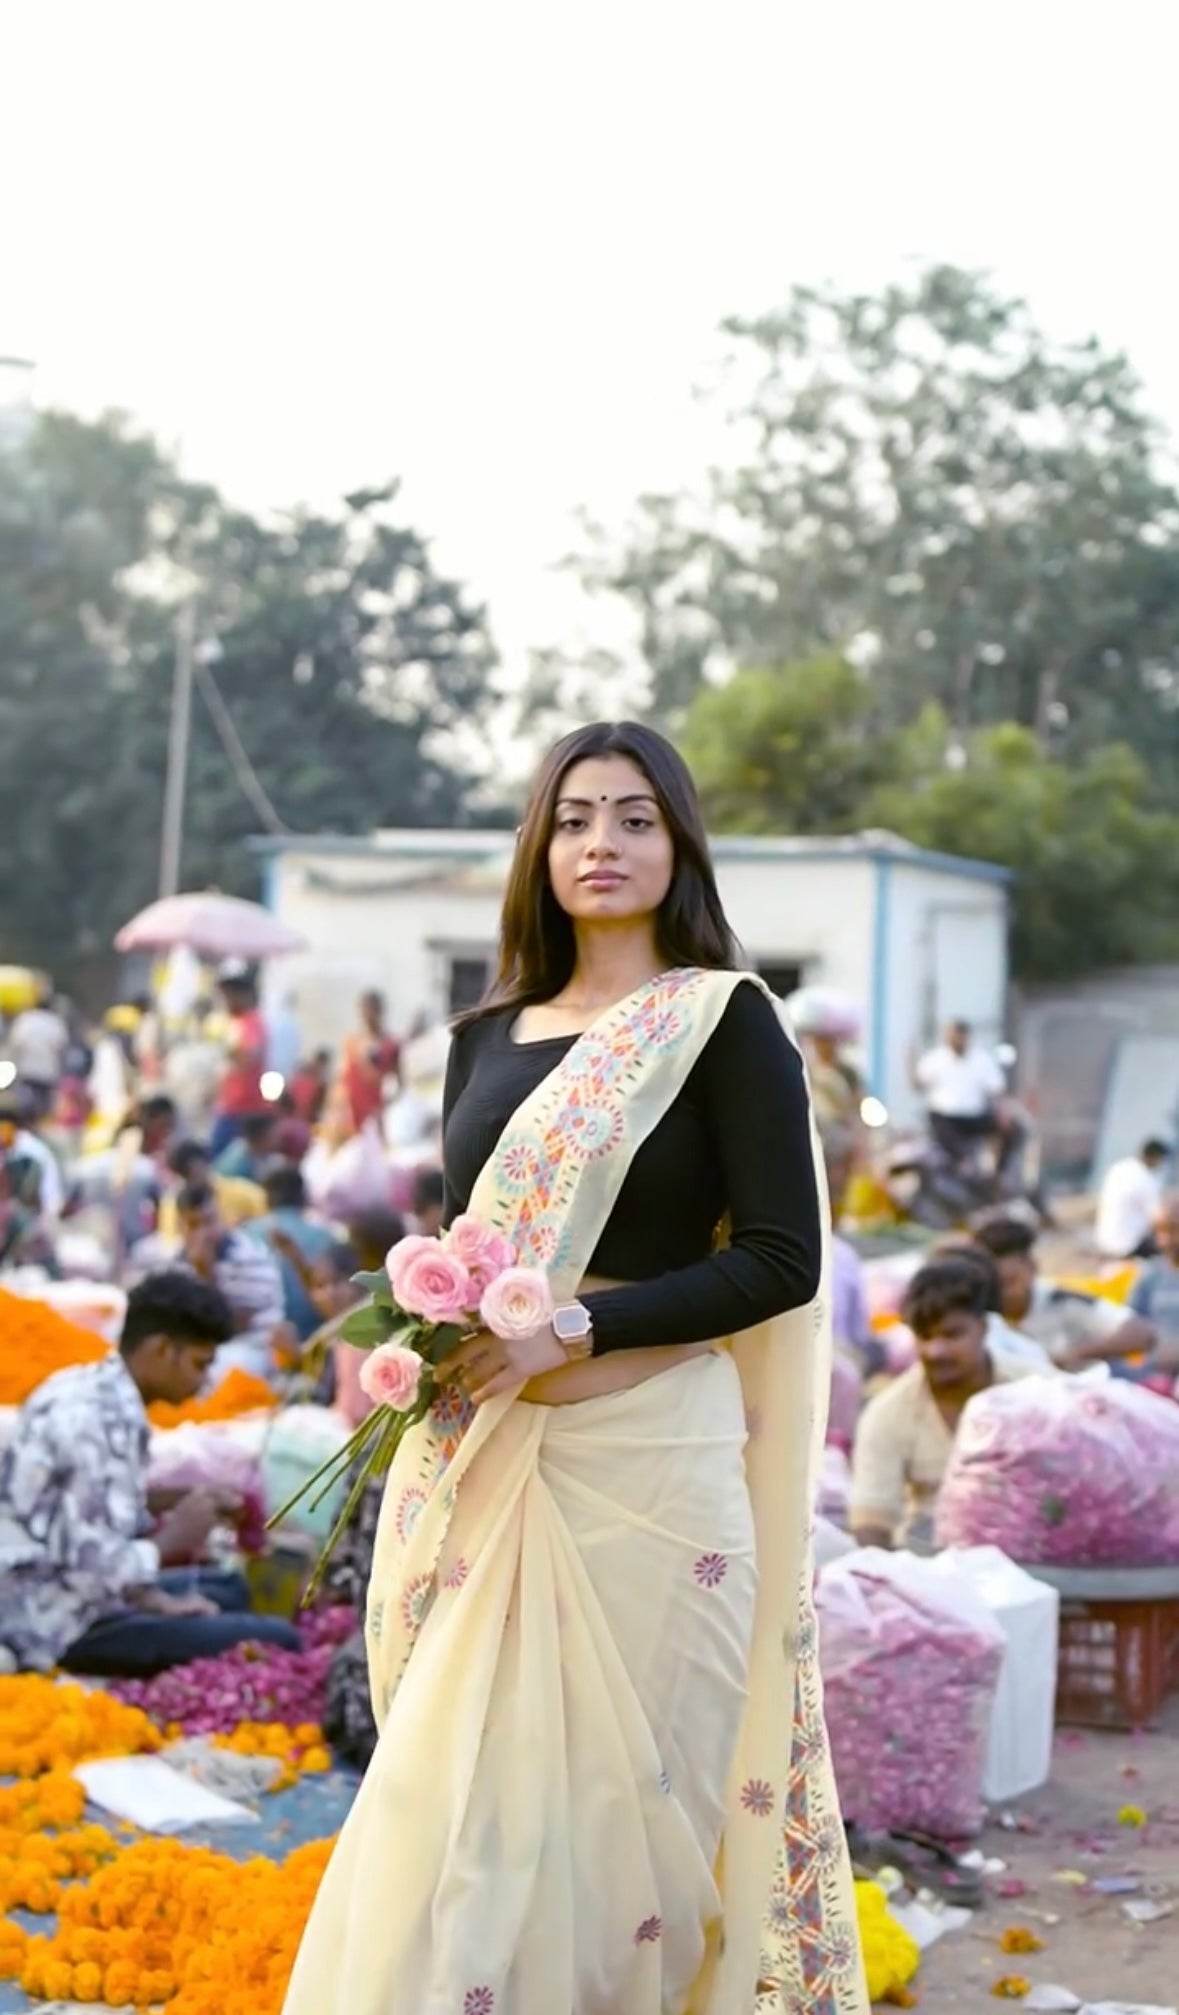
(86, 1581)
(1156, 1294)
(247, 1274)
(1075, 1329)
(906, 1432)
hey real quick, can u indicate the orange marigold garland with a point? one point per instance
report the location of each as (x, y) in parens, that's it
(46, 1727)
(163, 1922)
(239, 1392)
(37, 1342)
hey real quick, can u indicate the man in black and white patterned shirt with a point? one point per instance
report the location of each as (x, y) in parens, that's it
(84, 1574)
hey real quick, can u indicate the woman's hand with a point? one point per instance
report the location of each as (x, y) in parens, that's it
(484, 1364)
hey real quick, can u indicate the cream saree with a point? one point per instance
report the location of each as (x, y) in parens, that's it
(602, 1784)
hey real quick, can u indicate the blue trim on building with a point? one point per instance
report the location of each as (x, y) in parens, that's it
(881, 927)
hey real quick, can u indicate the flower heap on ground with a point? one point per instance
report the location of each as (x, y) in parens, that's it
(183, 1926)
(239, 1392)
(153, 1921)
(252, 1684)
(37, 1342)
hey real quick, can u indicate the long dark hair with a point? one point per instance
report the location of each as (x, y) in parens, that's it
(536, 941)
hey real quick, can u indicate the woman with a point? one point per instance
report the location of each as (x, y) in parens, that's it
(602, 1785)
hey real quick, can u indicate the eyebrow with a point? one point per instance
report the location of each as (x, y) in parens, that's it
(636, 798)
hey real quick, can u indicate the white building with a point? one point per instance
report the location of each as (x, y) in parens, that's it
(917, 937)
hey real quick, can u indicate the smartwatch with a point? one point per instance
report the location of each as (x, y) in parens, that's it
(574, 1330)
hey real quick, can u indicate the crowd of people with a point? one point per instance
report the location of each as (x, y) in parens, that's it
(236, 1211)
(232, 1204)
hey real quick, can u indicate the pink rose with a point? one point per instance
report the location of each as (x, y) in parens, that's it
(398, 1257)
(517, 1304)
(390, 1375)
(435, 1285)
(485, 1252)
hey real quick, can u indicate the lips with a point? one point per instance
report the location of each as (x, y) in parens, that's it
(602, 881)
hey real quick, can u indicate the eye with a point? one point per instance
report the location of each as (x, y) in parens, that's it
(638, 823)
(570, 823)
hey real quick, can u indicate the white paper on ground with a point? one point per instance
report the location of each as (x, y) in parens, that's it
(1125, 2008)
(156, 1797)
(927, 1922)
(1052, 2000)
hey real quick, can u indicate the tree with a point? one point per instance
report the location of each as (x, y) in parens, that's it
(1097, 864)
(799, 748)
(342, 659)
(922, 478)
(788, 748)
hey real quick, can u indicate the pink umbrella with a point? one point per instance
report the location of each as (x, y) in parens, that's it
(212, 925)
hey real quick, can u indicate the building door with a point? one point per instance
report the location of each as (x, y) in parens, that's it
(782, 980)
(466, 983)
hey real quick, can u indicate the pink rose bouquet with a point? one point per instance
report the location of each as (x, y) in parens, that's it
(429, 1294)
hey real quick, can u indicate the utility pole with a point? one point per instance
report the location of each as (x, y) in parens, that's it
(172, 836)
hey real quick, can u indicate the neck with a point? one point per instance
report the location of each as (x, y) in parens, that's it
(612, 961)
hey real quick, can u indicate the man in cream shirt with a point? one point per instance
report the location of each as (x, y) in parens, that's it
(906, 1432)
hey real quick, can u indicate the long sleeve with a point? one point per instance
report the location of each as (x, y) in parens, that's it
(754, 1090)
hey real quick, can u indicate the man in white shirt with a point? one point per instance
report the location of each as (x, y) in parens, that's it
(1075, 1329)
(37, 1044)
(1131, 1197)
(962, 1085)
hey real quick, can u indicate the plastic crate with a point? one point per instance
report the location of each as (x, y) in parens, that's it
(1118, 1660)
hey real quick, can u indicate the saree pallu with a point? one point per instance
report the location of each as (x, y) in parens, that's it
(602, 1784)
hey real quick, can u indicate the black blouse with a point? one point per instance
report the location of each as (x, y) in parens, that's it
(736, 1140)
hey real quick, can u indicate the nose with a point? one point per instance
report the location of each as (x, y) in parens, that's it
(601, 840)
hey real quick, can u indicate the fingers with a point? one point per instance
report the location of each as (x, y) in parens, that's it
(466, 1354)
(506, 1380)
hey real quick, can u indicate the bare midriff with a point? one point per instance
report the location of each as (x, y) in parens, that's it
(615, 1371)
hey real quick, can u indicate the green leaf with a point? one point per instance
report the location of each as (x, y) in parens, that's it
(376, 1285)
(366, 1327)
(442, 1340)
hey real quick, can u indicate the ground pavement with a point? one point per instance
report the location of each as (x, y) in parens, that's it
(1091, 1943)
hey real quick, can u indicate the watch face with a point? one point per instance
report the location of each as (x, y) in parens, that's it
(571, 1323)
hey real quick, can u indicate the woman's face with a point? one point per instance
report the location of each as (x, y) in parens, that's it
(610, 854)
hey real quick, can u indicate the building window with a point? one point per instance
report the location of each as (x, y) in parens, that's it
(782, 980)
(466, 983)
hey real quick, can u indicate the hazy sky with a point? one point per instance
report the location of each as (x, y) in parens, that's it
(487, 246)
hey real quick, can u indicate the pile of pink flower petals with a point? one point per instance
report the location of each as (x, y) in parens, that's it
(253, 1682)
(1066, 1472)
(909, 1681)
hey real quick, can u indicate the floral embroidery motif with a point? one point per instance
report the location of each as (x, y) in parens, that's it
(663, 1027)
(457, 1574)
(376, 1616)
(451, 1408)
(588, 1129)
(544, 1239)
(478, 2001)
(409, 1510)
(414, 1599)
(665, 1783)
(518, 1164)
(758, 1797)
(650, 1931)
(711, 1569)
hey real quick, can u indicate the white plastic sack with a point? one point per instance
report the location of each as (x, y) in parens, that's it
(910, 1667)
(1019, 1747)
(1068, 1472)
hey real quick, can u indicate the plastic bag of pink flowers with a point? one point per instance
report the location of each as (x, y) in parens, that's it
(910, 1668)
(1066, 1472)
